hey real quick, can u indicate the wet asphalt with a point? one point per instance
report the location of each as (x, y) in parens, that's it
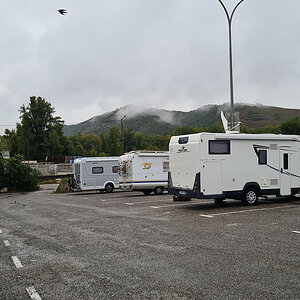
(125, 245)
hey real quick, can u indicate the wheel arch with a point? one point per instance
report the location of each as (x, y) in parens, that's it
(113, 183)
(252, 184)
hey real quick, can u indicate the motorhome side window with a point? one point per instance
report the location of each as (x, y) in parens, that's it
(115, 169)
(285, 161)
(183, 140)
(219, 147)
(262, 157)
(97, 170)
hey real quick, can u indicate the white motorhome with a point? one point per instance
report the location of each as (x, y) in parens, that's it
(233, 165)
(144, 171)
(96, 173)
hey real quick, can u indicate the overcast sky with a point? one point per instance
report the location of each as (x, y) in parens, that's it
(171, 54)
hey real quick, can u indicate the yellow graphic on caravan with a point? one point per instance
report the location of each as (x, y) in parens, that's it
(147, 166)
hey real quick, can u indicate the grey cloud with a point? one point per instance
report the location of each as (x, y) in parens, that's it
(167, 54)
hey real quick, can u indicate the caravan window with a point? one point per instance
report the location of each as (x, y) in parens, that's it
(97, 170)
(262, 157)
(165, 166)
(115, 169)
(219, 147)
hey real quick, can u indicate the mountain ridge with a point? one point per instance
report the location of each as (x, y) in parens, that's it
(153, 121)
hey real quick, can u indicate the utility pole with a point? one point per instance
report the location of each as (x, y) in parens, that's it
(229, 19)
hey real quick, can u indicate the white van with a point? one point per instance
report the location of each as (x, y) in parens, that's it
(144, 171)
(233, 165)
(96, 173)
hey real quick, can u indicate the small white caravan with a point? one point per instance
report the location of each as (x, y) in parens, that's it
(96, 173)
(144, 171)
(233, 165)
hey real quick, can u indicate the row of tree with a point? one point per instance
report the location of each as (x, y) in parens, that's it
(39, 136)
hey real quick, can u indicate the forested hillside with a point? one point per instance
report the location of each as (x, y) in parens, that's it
(159, 121)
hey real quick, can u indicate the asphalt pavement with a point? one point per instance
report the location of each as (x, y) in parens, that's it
(126, 245)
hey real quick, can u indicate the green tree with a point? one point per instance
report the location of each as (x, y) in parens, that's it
(12, 142)
(129, 139)
(141, 141)
(184, 130)
(39, 129)
(112, 142)
(291, 126)
(91, 144)
(160, 142)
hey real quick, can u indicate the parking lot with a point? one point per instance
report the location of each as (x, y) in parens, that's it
(125, 245)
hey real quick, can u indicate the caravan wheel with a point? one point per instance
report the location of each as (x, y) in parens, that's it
(250, 197)
(109, 188)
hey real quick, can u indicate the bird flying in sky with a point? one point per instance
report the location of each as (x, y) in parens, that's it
(62, 11)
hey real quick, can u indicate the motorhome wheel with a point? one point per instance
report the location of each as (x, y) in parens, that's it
(219, 201)
(250, 197)
(158, 190)
(109, 188)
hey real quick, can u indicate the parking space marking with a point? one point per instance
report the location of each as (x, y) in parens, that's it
(0, 231)
(172, 205)
(206, 216)
(245, 211)
(6, 243)
(295, 231)
(141, 202)
(33, 293)
(233, 224)
(17, 262)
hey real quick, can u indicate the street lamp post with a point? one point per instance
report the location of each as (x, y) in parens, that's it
(229, 19)
(122, 132)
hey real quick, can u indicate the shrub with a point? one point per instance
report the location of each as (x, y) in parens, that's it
(2, 173)
(19, 176)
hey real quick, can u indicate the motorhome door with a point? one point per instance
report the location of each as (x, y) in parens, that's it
(211, 178)
(285, 169)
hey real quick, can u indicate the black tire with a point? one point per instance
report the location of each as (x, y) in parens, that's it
(250, 196)
(158, 190)
(109, 187)
(180, 198)
(218, 202)
(147, 192)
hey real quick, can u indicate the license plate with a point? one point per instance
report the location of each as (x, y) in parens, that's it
(182, 192)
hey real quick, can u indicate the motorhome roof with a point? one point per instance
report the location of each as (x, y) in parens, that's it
(243, 136)
(149, 153)
(98, 158)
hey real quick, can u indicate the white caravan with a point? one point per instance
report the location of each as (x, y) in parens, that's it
(233, 165)
(144, 171)
(96, 173)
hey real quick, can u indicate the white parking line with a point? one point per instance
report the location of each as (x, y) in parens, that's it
(295, 231)
(0, 231)
(33, 294)
(245, 211)
(6, 243)
(172, 205)
(206, 216)
(140, 202)
(17, 262)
